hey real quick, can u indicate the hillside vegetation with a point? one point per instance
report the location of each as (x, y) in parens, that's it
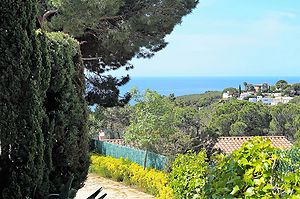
(200, 100)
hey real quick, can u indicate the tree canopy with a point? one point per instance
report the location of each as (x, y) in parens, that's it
(21, 97)
(281, 84)
(153, 122)
(112, 32)
(43, 137)
(236, 117)
(286, 121)
(199, 100)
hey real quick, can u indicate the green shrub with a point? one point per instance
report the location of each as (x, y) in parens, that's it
(188, 175)
(289, 160)
(150, 180)
(250, 172)
(65, 106)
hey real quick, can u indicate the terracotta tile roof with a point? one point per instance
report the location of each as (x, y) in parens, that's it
(229, 144)
(114, 141)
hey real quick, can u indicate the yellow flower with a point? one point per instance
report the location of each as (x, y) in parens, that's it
(152, 181)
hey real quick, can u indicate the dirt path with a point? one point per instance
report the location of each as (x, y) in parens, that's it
(114, 190)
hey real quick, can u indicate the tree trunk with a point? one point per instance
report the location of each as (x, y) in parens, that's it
(145, 160)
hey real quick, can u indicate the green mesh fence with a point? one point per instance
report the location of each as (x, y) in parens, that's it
(138, 156)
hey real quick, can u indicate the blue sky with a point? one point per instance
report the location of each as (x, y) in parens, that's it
(231, 38)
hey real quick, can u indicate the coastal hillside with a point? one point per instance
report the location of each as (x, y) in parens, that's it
(200, 100)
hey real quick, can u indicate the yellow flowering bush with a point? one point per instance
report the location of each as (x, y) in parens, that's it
(152, 181)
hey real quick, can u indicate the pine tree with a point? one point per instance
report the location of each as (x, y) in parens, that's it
(112, 32)
(21, 101)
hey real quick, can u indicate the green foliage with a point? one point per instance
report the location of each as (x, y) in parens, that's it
(67, 192)
(256, 170)
(199, 100)
(250, 172)
(246, 173)
(114, 120)
(187, 123)
(115, 31)
(21, 101)
(66, 110)
(188, 175)
(289, 160)
(193, 122)
(238, 128)
(150, 180)
(43, 137)
(295, 100)
(153, 121)
(273, 89)
(286, 121)
(236, 117)
(265, 87)
(232, 91)
(281, 84)
(248, 87)
(81, 14)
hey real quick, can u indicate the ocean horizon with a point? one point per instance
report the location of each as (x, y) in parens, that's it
(196, 85)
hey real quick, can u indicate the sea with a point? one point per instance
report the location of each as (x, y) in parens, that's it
(195, 85)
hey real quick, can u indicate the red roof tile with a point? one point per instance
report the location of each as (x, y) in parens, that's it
(230, 144)
(114, 141)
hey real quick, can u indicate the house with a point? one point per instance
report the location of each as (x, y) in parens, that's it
(230, 144)
(252, 99)
(281, 100)
(266, 100)
(244, 95)
(257, 87)
(286, 99)
(261, 87)
(227, 95)
(277, 94)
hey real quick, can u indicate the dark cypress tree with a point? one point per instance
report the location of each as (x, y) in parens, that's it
(47, 126)
(66, 109)
(43, 137)
(21, 101)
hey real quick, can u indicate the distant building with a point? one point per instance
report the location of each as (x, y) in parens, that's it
(277, 94)
(268, 101)
(259, 98)
(264, 100)
(245, 95)
(257, 87)
(99, 135)
(261, 87)
(252, 99)
(227, 95)
(281, 100)
(286, 99)
(230, 144)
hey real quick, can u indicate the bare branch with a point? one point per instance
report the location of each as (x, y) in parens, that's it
(91, 58)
